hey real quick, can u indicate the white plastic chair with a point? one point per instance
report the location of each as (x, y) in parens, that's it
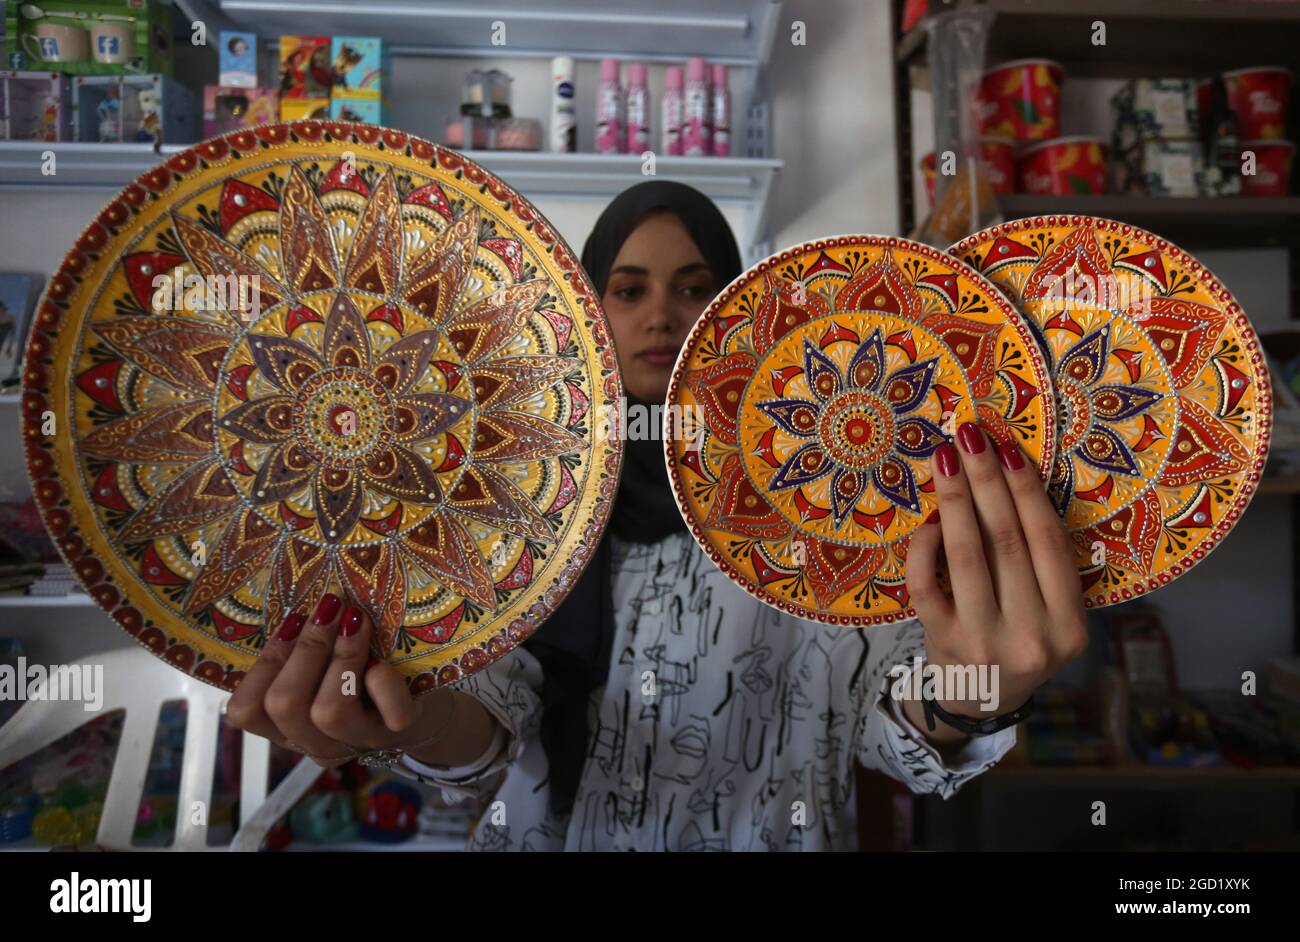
(140, 683)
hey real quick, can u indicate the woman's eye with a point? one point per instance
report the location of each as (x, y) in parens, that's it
(628, 294)
(696, 291)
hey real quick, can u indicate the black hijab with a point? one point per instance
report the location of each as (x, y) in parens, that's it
(574, 645)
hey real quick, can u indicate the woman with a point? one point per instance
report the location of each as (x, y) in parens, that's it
(662, 708)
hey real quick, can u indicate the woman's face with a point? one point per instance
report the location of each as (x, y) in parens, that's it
(658, 286)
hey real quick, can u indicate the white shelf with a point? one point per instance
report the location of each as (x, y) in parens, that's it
(78, 166)
(72, 600)
(537, 175)
(734, 32)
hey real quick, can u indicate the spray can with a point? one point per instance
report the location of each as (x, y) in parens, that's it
(564, 121)
(638, 109)
(672, 111)
(721, 113)
(609, 110)
(697, 136)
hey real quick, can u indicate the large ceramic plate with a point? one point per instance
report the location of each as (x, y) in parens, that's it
(808, 400)
(400, 408)
(1164, 396)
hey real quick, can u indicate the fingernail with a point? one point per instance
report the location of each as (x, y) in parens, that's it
(971, 438)
(934, 516)
(326, 609)
(945, 456)
(1011, 457)
(290, 627)
(351, 622)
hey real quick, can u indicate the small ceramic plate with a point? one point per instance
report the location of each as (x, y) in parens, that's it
(1163, 393)
(806, 404)
(320, 357)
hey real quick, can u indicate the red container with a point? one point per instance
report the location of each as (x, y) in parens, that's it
(1272, 176)
(1020, 101)
(1066, 166)
(999, 157)
(1259, 96)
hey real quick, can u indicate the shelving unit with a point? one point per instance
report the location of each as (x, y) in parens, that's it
(1148, 38)
(1169, 37)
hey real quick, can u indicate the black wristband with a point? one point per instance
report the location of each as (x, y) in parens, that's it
(971, 727)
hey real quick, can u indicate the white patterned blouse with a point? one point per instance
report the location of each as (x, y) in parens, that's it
(724, 725)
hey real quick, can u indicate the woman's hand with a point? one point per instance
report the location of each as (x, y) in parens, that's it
(1016, 602)
(317, 690)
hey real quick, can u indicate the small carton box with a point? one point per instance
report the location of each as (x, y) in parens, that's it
(99, 37)
(237, 60)
(359, 110)
(37, 106)
(1160, 168)
(305, 70)
(304, 109)
(358, 64)
(134, 109)
(1154, 109)
(228, 108)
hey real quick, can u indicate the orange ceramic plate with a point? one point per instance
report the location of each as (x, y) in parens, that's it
(808, 400)
(1163, 391)
(321, 357)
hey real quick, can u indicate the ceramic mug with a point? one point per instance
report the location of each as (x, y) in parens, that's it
(54, 42)
(112, 43)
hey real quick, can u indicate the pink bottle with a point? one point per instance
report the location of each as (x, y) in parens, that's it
(672, 111)
(721, 113)
(609, 110)
(638, 109)
(697, 135)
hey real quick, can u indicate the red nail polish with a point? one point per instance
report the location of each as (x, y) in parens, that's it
(326, 609)
(1011, 457)
(945, 456)
(934, 516)
(290, 627)
(351, 621)
(971, 438)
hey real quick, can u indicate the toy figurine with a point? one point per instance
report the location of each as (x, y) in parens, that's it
(47, 125)
(109, 111)
(150, 101)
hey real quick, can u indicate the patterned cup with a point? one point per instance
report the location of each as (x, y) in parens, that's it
(1259, 96)
(1020, 101)
(1066, 166)
(1272, 176)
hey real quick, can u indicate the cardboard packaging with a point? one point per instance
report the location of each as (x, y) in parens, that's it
(87, 45)
(359, 110)
(35, 106)
(228, 108)
(237, 60)
(359, 64)
(1155, 109)
(304, 109)
(305, 69)
(148, 109)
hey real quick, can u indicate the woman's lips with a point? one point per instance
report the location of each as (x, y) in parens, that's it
(659, 356)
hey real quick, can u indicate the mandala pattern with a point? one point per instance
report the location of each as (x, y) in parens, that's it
(809, 399)
(396, 408)
(1163, 393)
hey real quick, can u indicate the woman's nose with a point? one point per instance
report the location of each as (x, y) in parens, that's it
(660, 314)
